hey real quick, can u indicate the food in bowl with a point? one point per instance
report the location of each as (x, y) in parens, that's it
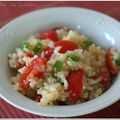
(62, 67)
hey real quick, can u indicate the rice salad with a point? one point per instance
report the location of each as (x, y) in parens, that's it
(62, 67)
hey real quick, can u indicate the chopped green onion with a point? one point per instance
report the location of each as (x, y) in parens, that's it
(37, 47)
(25, 45)
(117, 62)
(55, 79)
(58, 66)
(88, 43)
(58, 81)
(73, 57)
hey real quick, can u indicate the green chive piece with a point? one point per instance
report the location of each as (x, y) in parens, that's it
(58, 66)
(88, 43)
(37, 47)
(58, 81)
(55, 79)
(25, 45)
(117, 62)
(73, 57)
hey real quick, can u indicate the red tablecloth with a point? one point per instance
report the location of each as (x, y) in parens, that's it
(10, 10)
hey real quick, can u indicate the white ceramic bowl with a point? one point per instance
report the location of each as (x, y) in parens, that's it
(101, 28)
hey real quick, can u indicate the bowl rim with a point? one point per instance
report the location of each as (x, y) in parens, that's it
(50, 114)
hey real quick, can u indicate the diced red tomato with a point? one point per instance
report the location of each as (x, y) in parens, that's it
(48, 52)
(109, 62)
(37, 98)
(23, 81)
(38, 62)
(34, 69)
(105, 75)
(29, 55)
(21, 63)
(30, 92)
(52, 35)
(35, 73)
(66, 45)
(75, 84)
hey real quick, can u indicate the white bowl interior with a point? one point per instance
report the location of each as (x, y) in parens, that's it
(102, 29)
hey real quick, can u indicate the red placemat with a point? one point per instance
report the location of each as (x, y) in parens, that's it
(10, 10)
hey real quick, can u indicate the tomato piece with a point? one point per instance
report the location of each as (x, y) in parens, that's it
(52, 35)
(35, 68)
(30, 92)
(75, 84)
(35, 73)
(21, 63)
(29, 55)
(105, 75)
(38, 74)
(37, 98)
(38, 63)
(66, 45)
(48, 52)
(23, 81)
(109, 62)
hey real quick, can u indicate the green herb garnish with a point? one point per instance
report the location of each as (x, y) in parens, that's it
(55, 79)
(25, 45)
(117, 62)
(38, 47)
(73, 57)
(58, 66)
(88, 43)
